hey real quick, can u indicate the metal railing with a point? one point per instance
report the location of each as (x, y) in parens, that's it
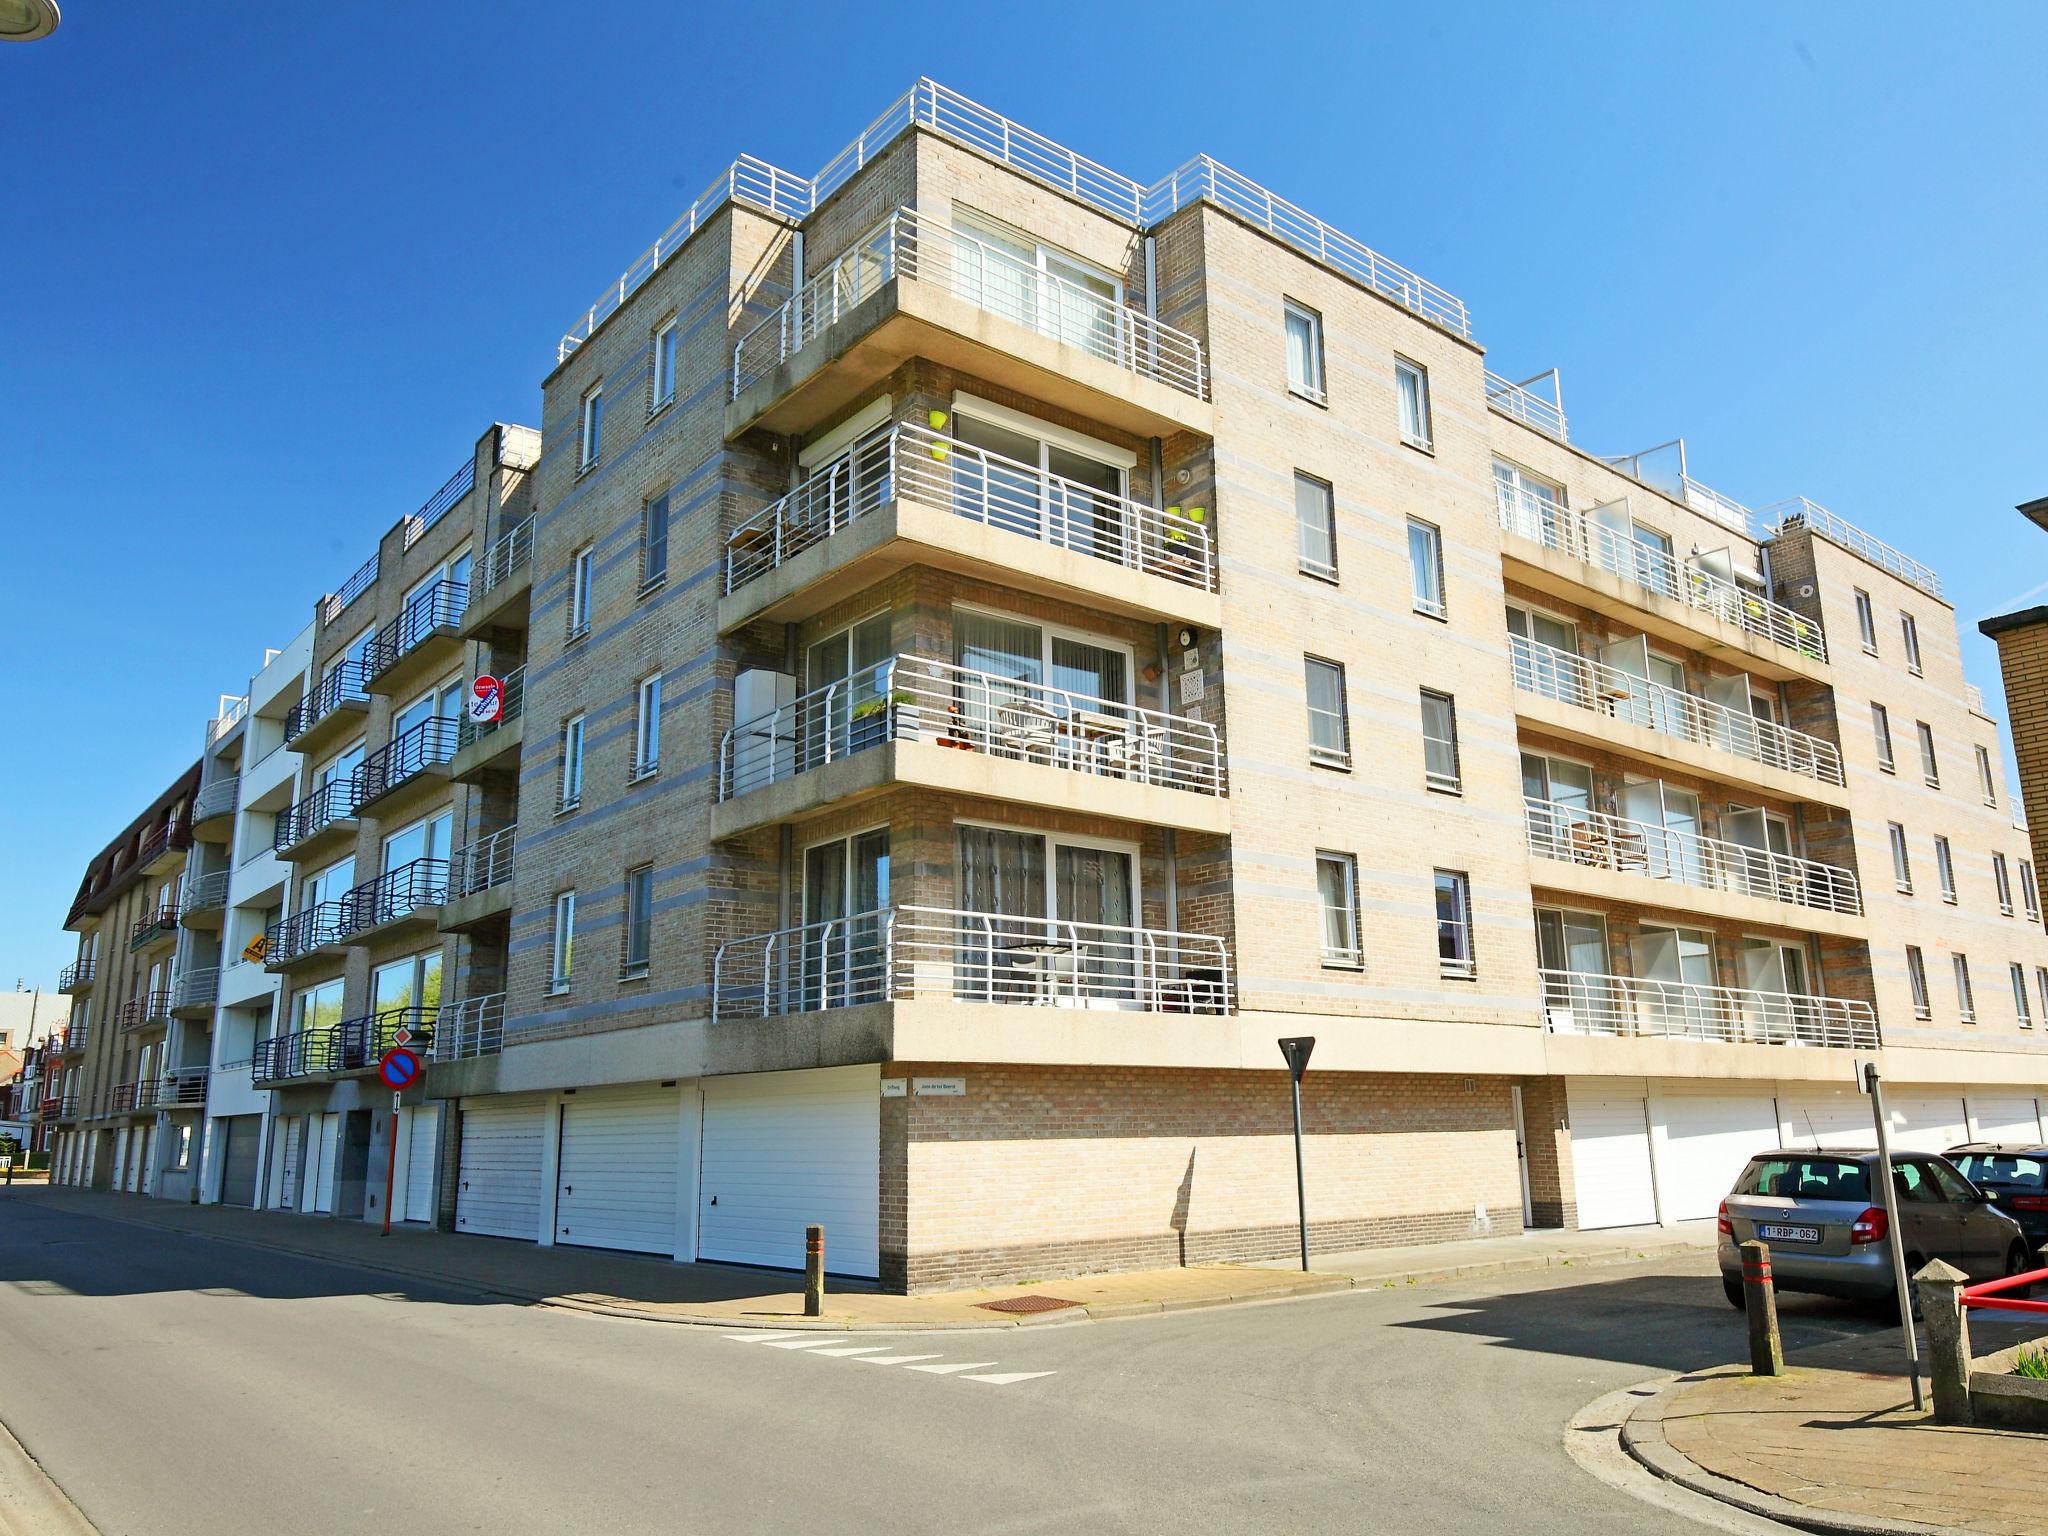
(411, 752)
(69, 1108)
(1518, 398)
(217, 798)
(203, 893)
(395, 894)
(332, 802)
(908, 244)
(310, 928)
(480, 865)
(1554, 673)
(365, 577)
(915, 698)
(511, 701)
(910, 461)
(156, 845)
(347, 683)
(51, 1109)
(1655, 570)
(439, 607)
(227, 715)
(1575, 835)
(76, 1038)
(198, 988)
(1580, 1003)
(183, 1089)
(511, 553)
(124, 1098)
(77, 974)
(1798, 512)
(457, 486)
(152, 927)
(353, 1045)
(146, 1008)
(909, 952)
(473, 1027)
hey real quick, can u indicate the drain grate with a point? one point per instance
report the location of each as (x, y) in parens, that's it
(1026, 1304)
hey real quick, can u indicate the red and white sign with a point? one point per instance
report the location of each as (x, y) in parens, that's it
(486, 699)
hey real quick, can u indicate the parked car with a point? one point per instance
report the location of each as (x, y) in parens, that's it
(2015, 1176)
(1819, 1212)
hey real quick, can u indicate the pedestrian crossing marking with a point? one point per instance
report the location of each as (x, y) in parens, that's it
(1004, 1378)
(947, 1370)
(895, 1359)
(833, 1345)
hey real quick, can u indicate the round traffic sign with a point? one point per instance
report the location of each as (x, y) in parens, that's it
(486, 699)
(398, 1067)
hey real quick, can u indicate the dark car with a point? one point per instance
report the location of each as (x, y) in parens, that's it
(2015, 1176)
(1818, 1210)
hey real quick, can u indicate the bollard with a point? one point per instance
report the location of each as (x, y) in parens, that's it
(1760, 1302)
(1940, 1287)
(814, 1271)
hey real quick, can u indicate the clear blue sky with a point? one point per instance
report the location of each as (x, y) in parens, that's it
(271, 268)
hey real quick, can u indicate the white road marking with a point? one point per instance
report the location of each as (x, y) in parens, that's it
(947, 1370)
(1004, 1378)
(757, 1335)
(811, 1343)
(833, 1346)
(894, 1359)
(858, 1349)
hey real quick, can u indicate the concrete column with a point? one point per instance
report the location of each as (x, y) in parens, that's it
(1939, 1287)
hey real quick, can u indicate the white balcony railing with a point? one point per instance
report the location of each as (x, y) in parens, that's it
(1578, 1003)
(1614, 551)
(1575, 835)
(508, 556)
(473, 1027)
(910, 461)
(480, 865)
(914, 698)
(203, 892)
(909, 952)
(1553, 673)
(1798, 512)
(1519, 399)
(907, 244)
(230, 712)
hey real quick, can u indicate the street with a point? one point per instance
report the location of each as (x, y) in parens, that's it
(171, 1384)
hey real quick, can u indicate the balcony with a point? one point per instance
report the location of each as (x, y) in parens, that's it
(1585, 849)
(75, 1040)
(306, 934)
(175, 1090)
(204, 900)
(76, 977)
(149, 1010)
(479, 883)
(907, 495)
(473, 1027)
(334, 707)
(914, 720)
(1672, 726)
(338, 1050)
(162, 849)
(417, 754)
(502, 594)
(153, 929)
(1632, 1007)
(969, 957)
(69, 1108)
(1601, 564)
(912, 286)
(411, 893)
(196, 992)
(324, 819)
(126, 1099)
(493, 746)
(213, 809)
(49, 1110)
(424, 638)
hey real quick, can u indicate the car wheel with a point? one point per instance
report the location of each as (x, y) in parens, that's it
(1732, 1289)
(2017, 1262)
(1888, 1309)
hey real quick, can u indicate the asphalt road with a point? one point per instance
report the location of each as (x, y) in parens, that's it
(178, 1384)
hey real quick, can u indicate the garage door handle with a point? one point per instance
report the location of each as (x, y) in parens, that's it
(714, 1199)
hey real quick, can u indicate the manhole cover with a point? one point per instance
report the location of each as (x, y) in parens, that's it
(1027, 1304)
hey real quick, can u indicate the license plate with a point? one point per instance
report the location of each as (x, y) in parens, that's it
(1771, 1232)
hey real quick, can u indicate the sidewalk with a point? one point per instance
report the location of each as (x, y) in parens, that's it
(1837, 1446)
(659, 1290)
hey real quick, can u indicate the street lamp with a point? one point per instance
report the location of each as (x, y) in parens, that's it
(24, 21)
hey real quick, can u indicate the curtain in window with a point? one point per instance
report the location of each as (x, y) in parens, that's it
(1094, 887)
(1002, 874)
(1001, 484)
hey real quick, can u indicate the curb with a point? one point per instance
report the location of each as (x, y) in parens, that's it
(31, 1503)
(1642, 1436)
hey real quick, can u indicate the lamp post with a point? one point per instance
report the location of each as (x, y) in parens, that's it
(27, 21)
(1296, 1050)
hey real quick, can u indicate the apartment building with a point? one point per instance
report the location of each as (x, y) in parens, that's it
(2022, 641)
(980, 648)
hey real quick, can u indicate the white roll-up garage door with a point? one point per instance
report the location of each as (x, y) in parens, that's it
(498, 1191)
(423, 1125)
(284, 1189)
(1611, 1159)
(782, 1150)
(1926, 1123)
(2005, 1118)
(1706, 1143)
(1838, 1120)
(617, 1185)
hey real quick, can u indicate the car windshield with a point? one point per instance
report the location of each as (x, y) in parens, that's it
(2000, 1168)
(1794, 1177)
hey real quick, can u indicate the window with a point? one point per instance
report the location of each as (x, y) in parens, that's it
(1910, 632)
(1929, 768)
(565, 939)
(1411, 383)
(1453, 923)
(1305, 352)
(1945, 868)
(579, 593)
(664, 364)
(571, 795)
(1902, 867)
(1866, 621)
(1986, 780)
(639, 920)
(1966, 1001)
(1329, 727)
(181, 1145)
(1881, 725)
(2021, 1006)
(2001, 876)
(1426, 567)
(1916, 982)
(1440, 742)
(2030, 893)
(1337, 885)
(593, 427)
(647, 728)
(1315, 528)
(654, 543)
(2041, 982)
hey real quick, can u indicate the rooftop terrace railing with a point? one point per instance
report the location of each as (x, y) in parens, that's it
(509, 554)
(457, 486)
(1518, 398)
(1798, 512)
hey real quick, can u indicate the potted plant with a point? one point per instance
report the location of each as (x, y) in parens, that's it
(884, 717)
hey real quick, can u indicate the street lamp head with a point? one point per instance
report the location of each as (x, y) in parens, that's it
(24, 21)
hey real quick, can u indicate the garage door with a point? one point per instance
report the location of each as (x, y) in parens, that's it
(498, 1193)
(1839, 1120)
(617, 1185)
(1611, 1160)
(783, 1149)
(2005, 1119)
(146, 1169)
(238, 1159)
(1924, 1123)
(287, 1134)
(323, 1145)
(1706, 1143)
(120, 1179)
(422, 1130)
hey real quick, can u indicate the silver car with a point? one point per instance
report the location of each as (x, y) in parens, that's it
(1819, 1213)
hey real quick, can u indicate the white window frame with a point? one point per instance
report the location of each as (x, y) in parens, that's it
(589, 427)
(1054, 841)
(580, 578)
(1881, 729)
(629, 965)
(569, 792)
(1985, 776)
(1462, 967)
(1930, 764)
(1338, 757)
(2030, 891)
(562, 962)
(1411, 383)
(1047, 633)
(1352, 957)
(1909, 632)
(1945, 868)
(646, 728)
(1966, 995)
(666, 346)
(1452, 783)
(1902, 858)
(2001, 879)
(1437, 607)
(2041, 985)
(1916, 983)
(1866, 622)
(652, 579)
(1304, 562)
(1317, 387)
(2022, 1006)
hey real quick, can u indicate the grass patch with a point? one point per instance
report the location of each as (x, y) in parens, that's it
(2032, 1363)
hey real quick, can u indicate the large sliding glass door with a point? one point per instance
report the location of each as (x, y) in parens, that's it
(1024, 938)
(849, 665)
(846, 889)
